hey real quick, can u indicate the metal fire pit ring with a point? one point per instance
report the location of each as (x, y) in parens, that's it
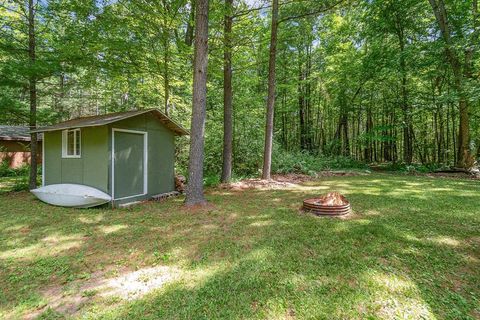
(314, 205)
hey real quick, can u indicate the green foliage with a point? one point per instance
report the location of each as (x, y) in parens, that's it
(413, 168)
(306, 163)
(211, 180)
(18, 177)
(6, 171)
(341, 68)
(21, 184)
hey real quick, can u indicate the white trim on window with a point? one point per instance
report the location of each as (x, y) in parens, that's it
(145, 162)
(76, 135)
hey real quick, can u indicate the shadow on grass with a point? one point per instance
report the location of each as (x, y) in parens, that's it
(412, 249)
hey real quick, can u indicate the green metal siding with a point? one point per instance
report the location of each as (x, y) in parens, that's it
(53, 157)
(96, 157)
(91, 169)
(161, 159)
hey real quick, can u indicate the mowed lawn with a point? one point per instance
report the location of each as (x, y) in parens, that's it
(410, 251)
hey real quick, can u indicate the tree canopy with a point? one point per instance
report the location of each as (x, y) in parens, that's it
(375, 81)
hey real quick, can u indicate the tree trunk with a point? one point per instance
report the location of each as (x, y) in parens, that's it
(227, 94)
(190, 25)
(407, 118)
(33, 96)
(368, 131)
(341, 135)
(166, 75)
(464, 157)
(346, 147)
(194, 190)
(478, 148)
(308, 99)
(439, 122)
(267, 154)
(302, 107)
(454, 137)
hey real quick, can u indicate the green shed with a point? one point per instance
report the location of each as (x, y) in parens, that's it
(128, 155)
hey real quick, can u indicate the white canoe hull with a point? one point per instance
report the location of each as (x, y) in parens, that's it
(71, 195)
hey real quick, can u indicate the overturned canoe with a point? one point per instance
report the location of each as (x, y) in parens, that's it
(71, 195)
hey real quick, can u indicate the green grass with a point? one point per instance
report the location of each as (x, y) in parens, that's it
(410, 251)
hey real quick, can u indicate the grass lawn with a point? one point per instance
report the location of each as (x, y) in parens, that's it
(410, 251)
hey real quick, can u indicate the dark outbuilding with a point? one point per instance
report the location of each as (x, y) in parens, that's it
(15, 145)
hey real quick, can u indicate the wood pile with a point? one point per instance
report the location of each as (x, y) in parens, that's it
(180, 183)
(163, 196)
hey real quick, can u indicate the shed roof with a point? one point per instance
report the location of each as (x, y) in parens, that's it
(109, 118)
(15, 133)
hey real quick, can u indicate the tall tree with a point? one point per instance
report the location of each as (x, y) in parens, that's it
(267, 153)
(461, 70)
(194, 194)
(407, 117)
(227, 94)
(190, 24)
(32, 89)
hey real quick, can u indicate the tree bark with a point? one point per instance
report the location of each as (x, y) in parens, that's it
(33, 96)
(194, 190)
(267, 155)
(302, 107)
(227, 94)
(166, 75)
(308, 94)
(368, 131)
(407, 117)
(190, 25)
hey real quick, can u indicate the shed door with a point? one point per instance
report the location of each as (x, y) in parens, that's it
(129, 165)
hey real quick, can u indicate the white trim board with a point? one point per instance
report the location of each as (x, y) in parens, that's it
(43, 161)
(145, 162)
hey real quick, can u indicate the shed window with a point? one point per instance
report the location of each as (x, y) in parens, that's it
(71, 143)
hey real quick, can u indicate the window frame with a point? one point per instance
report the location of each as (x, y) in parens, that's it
(76, 135)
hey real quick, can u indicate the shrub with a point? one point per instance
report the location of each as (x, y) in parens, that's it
(306, 163)
(6, 171)
(21, 184)
(413, 168)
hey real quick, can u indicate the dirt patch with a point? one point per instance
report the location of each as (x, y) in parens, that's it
(281, 181)
(276, 182)
(58, 301)
(340, 173)
(292, 178)
(129, 285)
(25, 230)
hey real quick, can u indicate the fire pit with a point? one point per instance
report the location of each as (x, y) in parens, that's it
(331, 204)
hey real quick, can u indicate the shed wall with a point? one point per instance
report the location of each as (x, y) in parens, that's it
(92, 169)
